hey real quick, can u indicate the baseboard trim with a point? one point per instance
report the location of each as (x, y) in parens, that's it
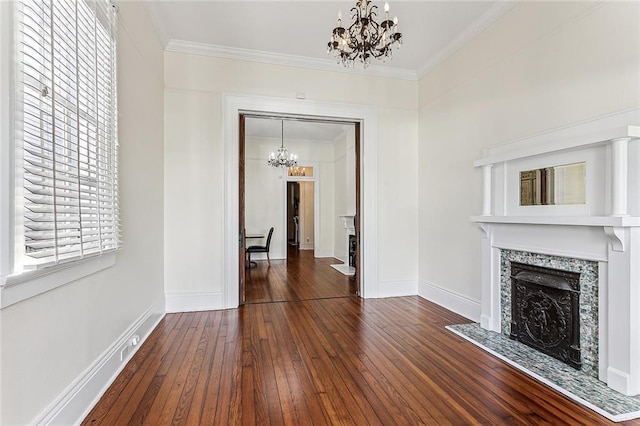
(192, 302)
(619, 381)
(342, 259)
(318, 253)
(73, 404)
(455, 302)
(397, 288)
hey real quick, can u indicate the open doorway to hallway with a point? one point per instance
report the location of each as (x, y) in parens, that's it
(304, 205)
(301, 218)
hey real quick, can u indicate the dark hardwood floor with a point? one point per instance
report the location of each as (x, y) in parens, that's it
(300, 277)
(328, 361)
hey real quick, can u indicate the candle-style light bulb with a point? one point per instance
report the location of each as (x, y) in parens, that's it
(395, 20)
(386, 7)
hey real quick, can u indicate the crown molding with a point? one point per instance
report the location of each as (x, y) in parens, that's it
(194, 48)
(204, 49)
(479, 25)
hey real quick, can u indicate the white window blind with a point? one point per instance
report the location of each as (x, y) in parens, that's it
(67, 131)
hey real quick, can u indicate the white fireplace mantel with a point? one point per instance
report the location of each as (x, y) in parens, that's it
(349, 223)
(606, 229)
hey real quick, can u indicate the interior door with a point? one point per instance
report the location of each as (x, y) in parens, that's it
(241, 231)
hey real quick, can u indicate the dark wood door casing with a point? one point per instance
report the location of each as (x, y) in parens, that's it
(358, 213)
(241, 230)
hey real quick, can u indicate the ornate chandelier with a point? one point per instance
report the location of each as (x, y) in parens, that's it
(365, 38)
(281, 157)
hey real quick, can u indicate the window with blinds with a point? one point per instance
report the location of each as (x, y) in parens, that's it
(67, 130)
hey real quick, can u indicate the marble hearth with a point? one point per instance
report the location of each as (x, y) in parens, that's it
(599, 238)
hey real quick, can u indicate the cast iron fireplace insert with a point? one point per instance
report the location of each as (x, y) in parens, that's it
(545, 311)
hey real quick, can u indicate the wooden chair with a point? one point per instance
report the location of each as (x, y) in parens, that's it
(261, 249)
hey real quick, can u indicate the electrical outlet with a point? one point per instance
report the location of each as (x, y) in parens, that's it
(133, 341)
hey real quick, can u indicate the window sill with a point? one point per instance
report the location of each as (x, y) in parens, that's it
(20, 287)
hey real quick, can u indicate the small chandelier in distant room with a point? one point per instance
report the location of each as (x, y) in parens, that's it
(281, 157)
(365, 38)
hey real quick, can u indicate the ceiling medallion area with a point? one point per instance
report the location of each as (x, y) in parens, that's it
(365, 38)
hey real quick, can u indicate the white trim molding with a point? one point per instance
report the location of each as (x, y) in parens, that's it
(32, 283)
(320, 253)
(487, 19)
(366, 115)
(7, 61)
(75, 402)
(273, 58)
(461, 305)
(193, 302)
(398, 288)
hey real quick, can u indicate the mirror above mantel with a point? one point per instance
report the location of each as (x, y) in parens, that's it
(557, 185)
(583, 173)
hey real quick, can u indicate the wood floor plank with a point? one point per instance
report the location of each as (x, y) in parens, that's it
(328, 361)
(134, 379)
(304, 393)
(211, 335)
(319, 354)
(212, 384)
(186, 398)
(172, 369)
(410, 379)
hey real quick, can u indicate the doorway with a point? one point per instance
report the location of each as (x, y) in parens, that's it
(293, 214)
(301, 214)
(297, 247)
(366, 117)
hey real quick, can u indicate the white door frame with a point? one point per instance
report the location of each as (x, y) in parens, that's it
(233, 105)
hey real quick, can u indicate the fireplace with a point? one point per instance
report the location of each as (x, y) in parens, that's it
(545, 311)
(599, 238)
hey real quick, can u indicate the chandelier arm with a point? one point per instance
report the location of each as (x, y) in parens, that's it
(353, 56)
(355, 15)
(380, 52)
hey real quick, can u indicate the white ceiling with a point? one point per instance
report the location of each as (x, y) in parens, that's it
(297, 32)
(432, 30)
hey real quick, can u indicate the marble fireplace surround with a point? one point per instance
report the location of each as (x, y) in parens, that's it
(605, 230)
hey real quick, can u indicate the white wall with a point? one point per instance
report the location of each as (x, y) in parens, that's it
(326, 231)
(49, 341)
(544, 65)
(194, 87)
(345, 188)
